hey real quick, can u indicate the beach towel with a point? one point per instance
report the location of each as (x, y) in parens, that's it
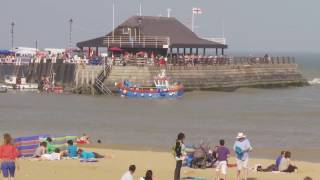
(239, 152)
(88, 160)
(194, 178)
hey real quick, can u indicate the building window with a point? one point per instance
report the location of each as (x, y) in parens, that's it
(126, 30)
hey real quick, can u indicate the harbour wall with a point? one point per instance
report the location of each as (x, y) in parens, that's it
(209, 77)
(64, 73)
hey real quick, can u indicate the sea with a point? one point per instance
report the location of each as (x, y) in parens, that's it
(271, 118)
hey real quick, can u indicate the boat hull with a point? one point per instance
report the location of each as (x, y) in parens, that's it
(151, 93)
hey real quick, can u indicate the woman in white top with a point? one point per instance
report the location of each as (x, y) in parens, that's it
(180, 155)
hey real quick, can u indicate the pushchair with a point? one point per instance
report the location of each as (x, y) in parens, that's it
(201, 157)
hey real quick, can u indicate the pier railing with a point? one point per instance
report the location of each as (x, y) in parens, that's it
(209, 61)
(137, 41)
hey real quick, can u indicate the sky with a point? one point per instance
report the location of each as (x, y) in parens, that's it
(248, 25)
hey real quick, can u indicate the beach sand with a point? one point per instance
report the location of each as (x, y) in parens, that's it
(162, 163)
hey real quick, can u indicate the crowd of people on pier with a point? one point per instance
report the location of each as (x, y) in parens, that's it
(219, 156)
(141, 58)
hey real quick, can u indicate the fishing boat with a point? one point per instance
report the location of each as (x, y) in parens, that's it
(162, 88)
(3, 89)
(19, 83)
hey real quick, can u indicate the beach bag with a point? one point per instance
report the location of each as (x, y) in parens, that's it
(173, 151)
(176, 150)
(239, 152)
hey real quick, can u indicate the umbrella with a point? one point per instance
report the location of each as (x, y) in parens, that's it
(5, 52)
(115, 49)
(141, 53)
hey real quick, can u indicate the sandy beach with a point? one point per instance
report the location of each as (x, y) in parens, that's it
(161, 163)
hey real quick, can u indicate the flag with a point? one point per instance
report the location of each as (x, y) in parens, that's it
(196, 11)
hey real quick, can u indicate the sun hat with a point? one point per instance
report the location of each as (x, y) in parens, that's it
(241, 135)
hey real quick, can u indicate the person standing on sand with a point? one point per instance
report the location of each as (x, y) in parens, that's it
(8, 155)
(242, 147)
(129, 174)
(180, 154)
(222, 153)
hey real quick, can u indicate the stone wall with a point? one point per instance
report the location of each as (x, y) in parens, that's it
(226, 77)
(64, 72)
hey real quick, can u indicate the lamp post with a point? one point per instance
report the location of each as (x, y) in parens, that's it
(70, 33)
(12, 35)
(113, 9)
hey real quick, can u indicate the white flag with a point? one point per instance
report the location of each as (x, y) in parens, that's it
(196, 11)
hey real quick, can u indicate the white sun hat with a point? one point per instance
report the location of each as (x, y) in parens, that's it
(241, 135)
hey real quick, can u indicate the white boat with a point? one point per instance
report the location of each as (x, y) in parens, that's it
(20, 83)
(3, 88)
(315, 81)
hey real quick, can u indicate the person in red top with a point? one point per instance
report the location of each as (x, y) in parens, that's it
(8, 156)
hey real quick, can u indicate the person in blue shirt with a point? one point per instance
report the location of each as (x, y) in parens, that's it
(72, 149)
(88, 155)
(242, 148)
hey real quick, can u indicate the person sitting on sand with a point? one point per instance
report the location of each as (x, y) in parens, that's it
(129, 174)
(149, 176)
(273, 167)
(286, 164)
(307, 178)
(56, 155)
(41, 150)
(50, 146)
(88, 155)
(72, 149)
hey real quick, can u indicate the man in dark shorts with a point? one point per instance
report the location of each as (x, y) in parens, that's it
(222, 163)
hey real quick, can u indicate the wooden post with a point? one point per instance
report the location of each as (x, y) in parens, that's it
(222, 51)
(204, 51)
(216, 51)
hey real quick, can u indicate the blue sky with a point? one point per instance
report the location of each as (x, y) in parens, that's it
(248, 25)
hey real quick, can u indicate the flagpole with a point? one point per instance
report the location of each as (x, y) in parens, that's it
(113, 9)
(192, 22)
(140, 8)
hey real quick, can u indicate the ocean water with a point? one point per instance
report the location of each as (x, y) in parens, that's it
(272, 118)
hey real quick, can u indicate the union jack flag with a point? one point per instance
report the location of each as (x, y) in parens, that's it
(196, 11)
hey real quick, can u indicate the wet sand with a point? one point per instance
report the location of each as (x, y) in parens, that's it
(162, 163)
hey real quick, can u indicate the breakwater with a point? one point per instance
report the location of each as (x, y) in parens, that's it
(201, 77)
(228, 76)
(64, 73)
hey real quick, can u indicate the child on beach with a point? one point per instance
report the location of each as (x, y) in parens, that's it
(180, 154)
(72, 150)
(88, 155)
(56, 155)
(50, 147)
(129, 174)
(149, 176)
(222, 154)
(8, 155)
(41, 150)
